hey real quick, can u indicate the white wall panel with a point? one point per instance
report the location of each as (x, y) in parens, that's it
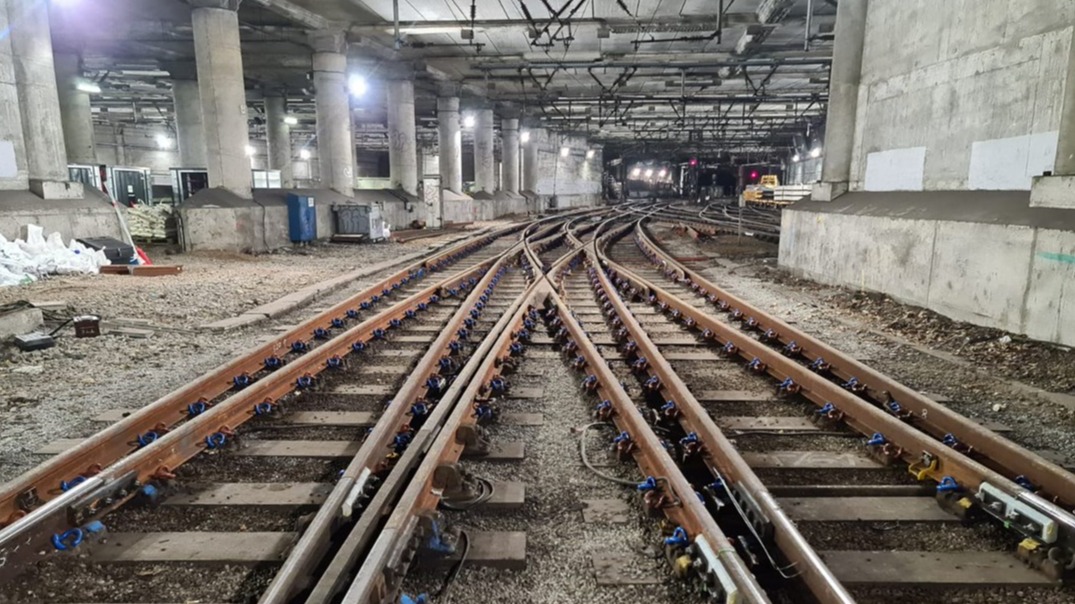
(896, 169)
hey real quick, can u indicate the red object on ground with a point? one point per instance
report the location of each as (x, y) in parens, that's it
(142, 257)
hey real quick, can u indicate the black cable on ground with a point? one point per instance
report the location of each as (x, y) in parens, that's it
(454, 571)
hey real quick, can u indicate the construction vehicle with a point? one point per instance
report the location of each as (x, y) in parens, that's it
(763, 191)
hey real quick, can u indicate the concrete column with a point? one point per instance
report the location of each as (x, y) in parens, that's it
(12, 146)
(843, 99)
(279, 139)
(450, 140)
(531, 169)
(484, 170)
(1058, 189)
(335, 143)
(222, 93)
(402, 138)
(509, 137)
(42, 125)
(189, 127)
(75, 113)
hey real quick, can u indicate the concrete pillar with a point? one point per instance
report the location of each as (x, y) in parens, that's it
(335, 143)
(42, 125)
(402, 138)
(13, 173)
(1058, 189)
(75, 112)
(189, 127)
(531, 167)
(484, 167)
(509, 137)
(222, 92)
(843, 99)
(279, 139)
(450, 140)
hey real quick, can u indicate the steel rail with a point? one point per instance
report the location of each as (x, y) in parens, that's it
(377, 578)
(372, 458)
(684, 509)
(720, 454)
(156, 460)
(893, 439)
(929, 415)
(35, 487)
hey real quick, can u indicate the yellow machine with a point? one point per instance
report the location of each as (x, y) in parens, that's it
(763, 191)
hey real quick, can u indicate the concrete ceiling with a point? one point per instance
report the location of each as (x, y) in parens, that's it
(689, 76)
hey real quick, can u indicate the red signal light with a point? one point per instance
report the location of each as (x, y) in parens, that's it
(694, 162)
(753, 174)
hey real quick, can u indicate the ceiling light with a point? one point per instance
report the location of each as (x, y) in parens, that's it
(357, 85)
(815, 152)
(428, 30)
(589, 154)
(662, 173)
(649, 172)
(164, 142)
(291, 120)
(89, 87)
(304, 153)
(636, 172)
(524, 136)
(250, 150)
(468, 120)
(795, 158)
(565, 151)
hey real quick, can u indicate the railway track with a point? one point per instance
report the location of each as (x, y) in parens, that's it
(432, 423)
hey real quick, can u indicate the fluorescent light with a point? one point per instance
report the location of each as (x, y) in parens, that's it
(164, 142)
(662, 173)
(795, 158)
(815, 152)
(357, 85)
(636, 172)
(304, 153)
(468, 120)
(589, 153)
(291, 120)
(423, 30)
(250, 150)
(89, 87)
(524, 136)
(565, 151)
(649, 172)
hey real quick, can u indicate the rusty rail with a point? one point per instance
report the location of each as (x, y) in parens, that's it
(156, 458)
(38, 485)
(892, 438)
(927, 414)
(377, 579)
(376, 459)
(721, 456)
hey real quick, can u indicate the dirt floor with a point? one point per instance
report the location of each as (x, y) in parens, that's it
(51, 394)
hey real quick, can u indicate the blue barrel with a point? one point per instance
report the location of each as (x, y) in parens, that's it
(301, 218)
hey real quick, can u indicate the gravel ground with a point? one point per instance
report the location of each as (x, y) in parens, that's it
(560, 545)
(51, 394)
(977, 380)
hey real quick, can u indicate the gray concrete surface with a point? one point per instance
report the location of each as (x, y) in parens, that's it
(190, 130)
(279, 139)
(91, 216)
(402, 140)
(955, 99)
(336, 151)
(450, 143)
(986, 259)
(223, 96)
(484, 165)
(75, 111)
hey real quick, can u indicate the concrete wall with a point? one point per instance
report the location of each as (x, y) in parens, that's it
(1016, 275)
(72, 218)
(959, 95)
(574, 180)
